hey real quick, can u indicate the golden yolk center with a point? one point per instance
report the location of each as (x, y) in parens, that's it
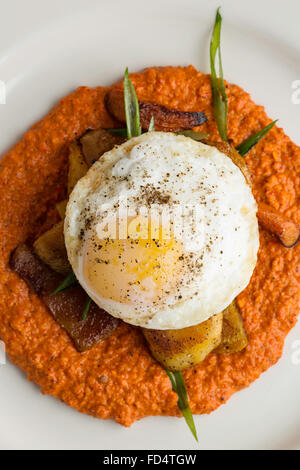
(134, 269)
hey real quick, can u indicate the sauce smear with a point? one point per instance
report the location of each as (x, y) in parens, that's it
(118, 378)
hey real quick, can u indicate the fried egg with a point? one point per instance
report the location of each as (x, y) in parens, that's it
(162, 231)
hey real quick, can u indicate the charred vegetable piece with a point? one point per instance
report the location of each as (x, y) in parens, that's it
(179, 349)
(287, 231)
(51, 249)
(66, 306)
(165, 119)
(169, 119)
(96, 143)
(61, 208)
(77, 166)
(234, 338)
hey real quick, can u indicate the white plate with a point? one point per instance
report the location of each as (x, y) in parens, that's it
(49, 48)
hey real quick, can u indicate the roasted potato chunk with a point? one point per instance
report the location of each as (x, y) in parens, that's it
(50, 248)
(77, 166)
(234, 337)
(179, 349)
(96, 143)
(61, 208)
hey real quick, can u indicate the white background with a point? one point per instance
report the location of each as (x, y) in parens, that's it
(47, 49)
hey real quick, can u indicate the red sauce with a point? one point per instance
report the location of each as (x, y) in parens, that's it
(119, 378)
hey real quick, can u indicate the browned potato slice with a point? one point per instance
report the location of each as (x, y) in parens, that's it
(96, 143)
(77, 166)
(180, 349)
(61, 208)
(234, 338)
(50, 248)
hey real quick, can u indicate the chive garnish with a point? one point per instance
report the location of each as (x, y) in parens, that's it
(246, 146)
(217, 84)
(66, 283)
(219, 93)
(151, 124)
(178, 387)
(121, 132)
(132, 110)
(194, 135)
(86, 308)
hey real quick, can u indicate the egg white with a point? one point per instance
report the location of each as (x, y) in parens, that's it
(191, 173)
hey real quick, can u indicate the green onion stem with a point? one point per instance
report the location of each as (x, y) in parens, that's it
(178, 386)
(132, 109)
(65, 284)
(151, 127)
(217, 84)
(248, 144)
(121, 132)
(86, 308)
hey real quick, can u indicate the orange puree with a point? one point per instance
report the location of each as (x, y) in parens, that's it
(119, 378)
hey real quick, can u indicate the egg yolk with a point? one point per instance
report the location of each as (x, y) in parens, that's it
(134, 269)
